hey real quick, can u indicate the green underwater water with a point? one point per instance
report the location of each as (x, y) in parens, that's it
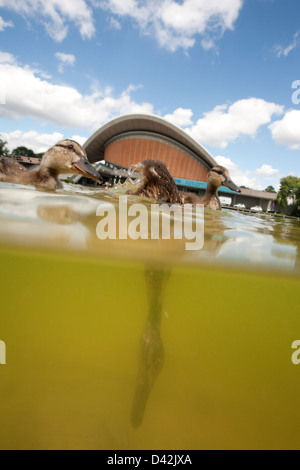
(141, 345)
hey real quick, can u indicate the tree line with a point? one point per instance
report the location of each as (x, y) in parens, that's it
(289, 193)
(17, 152)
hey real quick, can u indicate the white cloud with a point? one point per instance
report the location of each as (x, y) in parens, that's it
(180, 118)
(177, 25)
(6, 58)
(32, 139)
(5, 24)
(207, 44)
(284, 51)
(226, 123)
(79, 138)
(267, 170)
(55, 15)
(30, 95)
(65, 59)
(286, 131)
(174, 25)
(115, 24)
(259, 179)
(38, 142)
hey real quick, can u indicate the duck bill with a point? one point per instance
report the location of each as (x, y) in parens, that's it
(230, 184)
(137, 166)
(84, 167)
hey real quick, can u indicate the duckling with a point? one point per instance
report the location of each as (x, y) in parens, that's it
(158, 184)
(9, 166)
(66, 157)
(217, 177)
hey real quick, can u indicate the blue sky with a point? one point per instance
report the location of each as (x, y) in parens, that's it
(221, 70)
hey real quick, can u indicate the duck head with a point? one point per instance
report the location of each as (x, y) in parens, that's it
(67, 156)
(157, 182)
(219, 176)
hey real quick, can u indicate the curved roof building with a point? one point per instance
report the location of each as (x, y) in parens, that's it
(134, 138)
(131, 139)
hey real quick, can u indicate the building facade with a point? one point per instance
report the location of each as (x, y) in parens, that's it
(132, 139)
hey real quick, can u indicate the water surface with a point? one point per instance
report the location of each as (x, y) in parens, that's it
(140, 344)
(67, 219)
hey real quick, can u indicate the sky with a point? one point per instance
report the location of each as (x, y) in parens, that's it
(226, 72)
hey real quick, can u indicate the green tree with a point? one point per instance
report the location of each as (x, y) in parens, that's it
(289, 190)
(23, 152)
(4, 152)
(270, 189)
(298, 194)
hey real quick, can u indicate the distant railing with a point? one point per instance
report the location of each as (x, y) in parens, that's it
(251, 211)
(28, 160)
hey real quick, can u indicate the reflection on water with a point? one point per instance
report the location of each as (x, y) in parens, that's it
(67, 219)
(151, 354)
(220, 358)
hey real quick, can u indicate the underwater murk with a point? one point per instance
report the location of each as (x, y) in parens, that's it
(142, 344)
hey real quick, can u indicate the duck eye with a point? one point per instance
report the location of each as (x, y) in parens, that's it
(71, 147)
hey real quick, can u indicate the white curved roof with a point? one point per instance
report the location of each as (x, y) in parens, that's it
(96, 144)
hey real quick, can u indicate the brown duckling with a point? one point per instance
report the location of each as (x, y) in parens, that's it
(217, 177)
(157, 183)
(65, 157)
